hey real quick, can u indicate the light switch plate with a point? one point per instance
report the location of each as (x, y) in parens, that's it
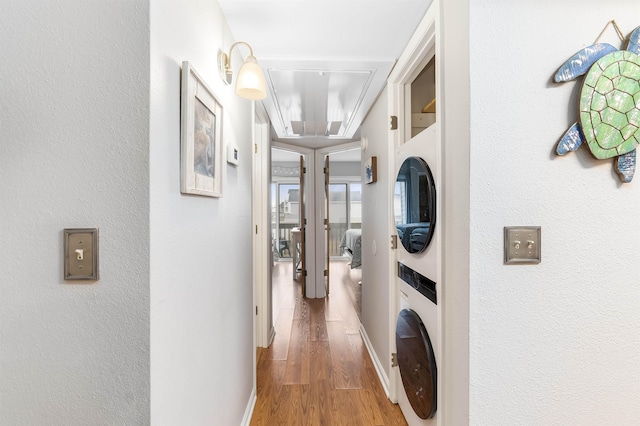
(522, 244)
(81, 254)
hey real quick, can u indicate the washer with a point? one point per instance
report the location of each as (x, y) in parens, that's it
(417, 364)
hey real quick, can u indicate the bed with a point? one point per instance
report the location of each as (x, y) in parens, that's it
(352, 245)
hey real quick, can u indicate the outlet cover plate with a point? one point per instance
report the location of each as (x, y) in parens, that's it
(522, 245)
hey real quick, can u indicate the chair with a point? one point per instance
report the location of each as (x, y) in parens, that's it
(284, 246)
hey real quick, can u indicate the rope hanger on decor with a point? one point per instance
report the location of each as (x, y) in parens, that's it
(615, 26)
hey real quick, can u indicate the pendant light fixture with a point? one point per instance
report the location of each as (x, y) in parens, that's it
(250, 81)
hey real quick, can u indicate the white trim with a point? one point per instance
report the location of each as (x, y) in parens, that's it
(340, 148)
(248, 412)
(382, 375)
(272, 335)
(455, 128)
(414, 53)
(394, 375)
(319, 249)
(288, 147)
(260, 220)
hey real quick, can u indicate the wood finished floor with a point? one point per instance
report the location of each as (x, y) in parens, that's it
(317, 371)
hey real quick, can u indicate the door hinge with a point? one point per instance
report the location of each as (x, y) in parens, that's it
(305, 273)
(256, 310)
(394, 122)
(394, 242)
(255, 147)
(304, 170)
(394, 359)
(325, 170)
(326, 221)
(256, 229)
(326, 273)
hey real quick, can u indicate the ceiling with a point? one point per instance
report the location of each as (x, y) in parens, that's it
(325, 61)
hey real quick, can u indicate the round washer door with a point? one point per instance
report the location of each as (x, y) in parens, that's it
(417, 364)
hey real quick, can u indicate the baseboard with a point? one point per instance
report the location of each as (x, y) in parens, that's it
(248, 413)
(384, 379)
(272, 336)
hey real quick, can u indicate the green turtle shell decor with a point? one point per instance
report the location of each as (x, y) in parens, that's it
(609, 103)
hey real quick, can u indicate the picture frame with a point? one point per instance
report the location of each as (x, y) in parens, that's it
(201, 146)
(371, 170)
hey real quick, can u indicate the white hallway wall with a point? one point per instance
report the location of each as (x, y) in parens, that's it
(375, 219)
(74, 140)
(556, 343)
(76, 153)
(201, 291)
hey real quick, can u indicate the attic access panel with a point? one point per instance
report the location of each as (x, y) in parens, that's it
(316, 102)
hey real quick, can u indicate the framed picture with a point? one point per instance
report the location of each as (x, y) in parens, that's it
(371, 170)
(200, 137)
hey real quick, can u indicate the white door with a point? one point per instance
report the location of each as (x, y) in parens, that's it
(303, 231)
(327, 223)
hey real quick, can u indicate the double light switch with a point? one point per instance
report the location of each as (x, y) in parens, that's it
(522, 244)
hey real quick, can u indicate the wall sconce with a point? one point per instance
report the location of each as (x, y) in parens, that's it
(250, 82)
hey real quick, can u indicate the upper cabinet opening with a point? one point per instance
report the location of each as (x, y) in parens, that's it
(423, 98)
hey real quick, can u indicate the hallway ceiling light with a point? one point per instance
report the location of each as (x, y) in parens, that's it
(250, 81)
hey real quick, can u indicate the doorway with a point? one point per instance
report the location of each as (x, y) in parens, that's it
(287, 219)
(342, 199)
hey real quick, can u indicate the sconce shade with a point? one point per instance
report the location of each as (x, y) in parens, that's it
(250, 83)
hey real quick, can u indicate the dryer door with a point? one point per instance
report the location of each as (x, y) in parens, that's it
(417, 364)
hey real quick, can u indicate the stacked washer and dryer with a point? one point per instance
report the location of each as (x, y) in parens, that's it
(418, 325)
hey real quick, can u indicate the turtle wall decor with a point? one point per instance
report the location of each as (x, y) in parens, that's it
(609, 102)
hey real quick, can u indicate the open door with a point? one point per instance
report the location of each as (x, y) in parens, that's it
(327, 223)
(303, 227)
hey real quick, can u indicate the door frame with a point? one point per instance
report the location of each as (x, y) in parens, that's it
(264, 330)
(449, 23)
(309, 180)
(413, 58)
